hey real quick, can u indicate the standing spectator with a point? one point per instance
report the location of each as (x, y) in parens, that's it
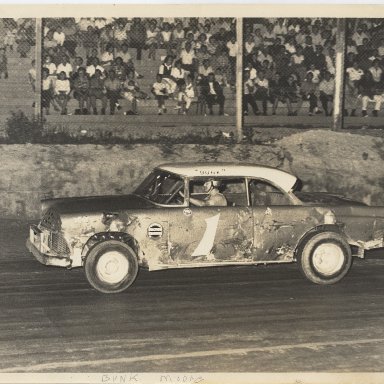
(298, 67)
(283, 90)
(46, 90)
(81, 91)
(262, 90)
(166, 36)
(32, 75)
(159, 90)
(105, 37)
(24, 40)
(165, 71)
(59, 36)
(3, 63)
(120, 33)
(120, 69)
(62, 89)
(113, 87)
(232, 54)
(188, 59)
(124, 54)
(308, 51)
(221, 78)
(178, 34)
(152, 39)
(97, 91)
(249, 45)
(10, 37)
(178, 73)
(330, 61)
(249, 95)
(49, 41)
(376, 73)
(137, 36)
(326, 89)
(90, 40)
(77, 63)
(213, 94)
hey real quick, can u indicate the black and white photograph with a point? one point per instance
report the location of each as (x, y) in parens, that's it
(192, 194)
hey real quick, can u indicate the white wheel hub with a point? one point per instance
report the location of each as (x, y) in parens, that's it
(112, 267)
(328, 258)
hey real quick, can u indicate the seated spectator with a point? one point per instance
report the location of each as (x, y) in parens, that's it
(330, 61)
(130, 91)
(186, 95)
(139, 94)
(221, 78)
(319, 58)
(178, 73)
(358, 36)
(201, 42)
(249, 45)
(258, 38)
(297, 62)
(65, 67)
(327, 90)
(124, 54)
(309, 92)
(105, 36)
(120, 69)
(77, 63)
(317, 38)
(315, 74)
(269, 35)
(62, 89)
(120, 32)
(290, 45)
(159, 90)
(371, 93)
(165, 36)
(94, 53)
(249, 95)
(377, 73)
(113, 87)
(351, 46)
(283, 90)
(49, 41)
(204, 70)
(190, 39)
(81, 91)
(152, 39)
(178, 34)
(59, 36)
(107, 57)
(213, 94)
(50, 66)
(262, 90)
(165, 71)
(90, 39)
(268, 69)
(308, 51)
(97, 91)
(202, 54)
(93, 67)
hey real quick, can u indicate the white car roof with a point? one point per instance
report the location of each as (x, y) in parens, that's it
(283, 179)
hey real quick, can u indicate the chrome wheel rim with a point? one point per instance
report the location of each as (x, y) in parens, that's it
(112, 267)
(328, 259)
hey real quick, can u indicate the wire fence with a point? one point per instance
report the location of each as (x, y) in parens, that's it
(139, 66)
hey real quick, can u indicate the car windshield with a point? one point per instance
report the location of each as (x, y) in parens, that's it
(161, 187)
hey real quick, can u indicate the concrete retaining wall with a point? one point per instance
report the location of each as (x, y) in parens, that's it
(324, 161)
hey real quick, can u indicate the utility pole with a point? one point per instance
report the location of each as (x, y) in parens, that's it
(239, 81)
(38, 66)
(338, 99)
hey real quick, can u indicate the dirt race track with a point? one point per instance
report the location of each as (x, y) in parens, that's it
(255, 319)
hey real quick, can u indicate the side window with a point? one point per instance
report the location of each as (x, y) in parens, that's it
(233, 189)
(263, 193)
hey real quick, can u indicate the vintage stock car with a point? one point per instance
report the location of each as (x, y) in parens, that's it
(187, 215)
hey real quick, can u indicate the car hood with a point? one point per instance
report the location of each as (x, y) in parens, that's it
(91, 204)
(322, 198)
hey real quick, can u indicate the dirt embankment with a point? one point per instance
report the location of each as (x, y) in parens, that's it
(344, 163)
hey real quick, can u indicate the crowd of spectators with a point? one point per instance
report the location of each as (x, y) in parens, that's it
(93, 59)
(292, 60)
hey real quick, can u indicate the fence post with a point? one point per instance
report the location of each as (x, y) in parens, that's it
(38, 66)
(239, 80)
(338, 99)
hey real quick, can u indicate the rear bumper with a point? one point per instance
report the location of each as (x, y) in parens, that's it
(34, 245)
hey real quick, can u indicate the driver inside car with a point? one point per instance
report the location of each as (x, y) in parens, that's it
(214, 196)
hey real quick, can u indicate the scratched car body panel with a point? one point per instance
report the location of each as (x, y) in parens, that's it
(265, 220)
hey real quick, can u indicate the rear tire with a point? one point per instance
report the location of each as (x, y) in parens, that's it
(111, 266)
(325, 258)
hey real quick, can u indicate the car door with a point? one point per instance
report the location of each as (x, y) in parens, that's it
(212, 234)
(276, 222)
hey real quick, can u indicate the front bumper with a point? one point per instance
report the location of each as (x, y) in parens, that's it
(36, 245)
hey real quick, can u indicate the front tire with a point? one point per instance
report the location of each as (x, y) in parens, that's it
(325, 258)
(111, 266)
